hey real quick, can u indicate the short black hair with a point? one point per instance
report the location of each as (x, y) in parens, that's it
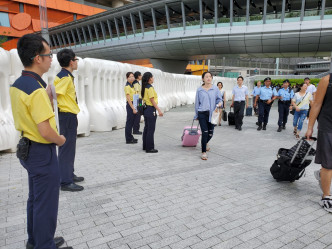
(137, 74)
(286, 81)
(220, 83)
(65, 56)
(28, 46)
(267, 78)
(128, 74)
(240, 77)
(306, 78)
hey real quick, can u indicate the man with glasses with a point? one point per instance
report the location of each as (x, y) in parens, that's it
(68, 110)
(34, 118)
(266, 96)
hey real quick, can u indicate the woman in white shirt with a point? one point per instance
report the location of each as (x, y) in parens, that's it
(300, 103)
(223, 95)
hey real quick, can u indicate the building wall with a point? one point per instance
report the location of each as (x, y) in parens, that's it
(18, 18)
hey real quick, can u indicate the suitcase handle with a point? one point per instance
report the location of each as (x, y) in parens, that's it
(299, 146)
(230, 108)
(193, 124)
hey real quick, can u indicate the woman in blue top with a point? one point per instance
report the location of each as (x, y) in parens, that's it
(208, 97)
(300, 103)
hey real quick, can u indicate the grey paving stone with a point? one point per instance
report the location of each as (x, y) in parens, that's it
(185, 242)
(144, 241)
(173, 199)
(207, 243)
(316, 245)
(231, 243)
(252, 243)
(165, 242)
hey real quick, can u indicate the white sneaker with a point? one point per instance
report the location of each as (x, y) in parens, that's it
(326, 203)
(317, 176)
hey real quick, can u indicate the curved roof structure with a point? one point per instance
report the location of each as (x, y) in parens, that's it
(191, 29)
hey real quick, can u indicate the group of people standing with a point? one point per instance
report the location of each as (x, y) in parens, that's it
(297, 103)
(33, 112)
(146, 104)
(209, 98)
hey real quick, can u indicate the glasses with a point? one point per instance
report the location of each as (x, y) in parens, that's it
(49, 55)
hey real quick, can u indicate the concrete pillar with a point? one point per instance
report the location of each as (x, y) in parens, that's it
(170, 66)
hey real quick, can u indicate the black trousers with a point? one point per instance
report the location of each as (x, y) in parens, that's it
(264, 112)
(207, 128)
(44, 185)
(68, 128)
(150, 118)
(137, 120)
(283, 109)
(129, 123)
(239, 112)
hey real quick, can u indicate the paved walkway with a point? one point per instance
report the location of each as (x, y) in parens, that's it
(173, 199)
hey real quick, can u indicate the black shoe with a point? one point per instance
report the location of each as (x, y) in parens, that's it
(264, 127)
(240, 128)
(58, 241)
(152, 151)
(259, 127)
(72, 187)
(137, 133)
(284, 127)
(78, 178)
(279, 129)
(134, 141)
(257, 123)
(236, 128)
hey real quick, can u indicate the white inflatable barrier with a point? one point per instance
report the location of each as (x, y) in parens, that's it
(8, 134)
(99, 86)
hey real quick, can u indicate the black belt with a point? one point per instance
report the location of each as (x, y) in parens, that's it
(265, 101)
(285, 101)
(240, 101)
(67, 114)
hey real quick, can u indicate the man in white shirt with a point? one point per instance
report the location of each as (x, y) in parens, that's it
(311, 89)
(239, 102)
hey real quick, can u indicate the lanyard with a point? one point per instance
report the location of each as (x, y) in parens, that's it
(32, 76)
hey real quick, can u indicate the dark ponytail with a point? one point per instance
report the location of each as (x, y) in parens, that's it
(145, 81)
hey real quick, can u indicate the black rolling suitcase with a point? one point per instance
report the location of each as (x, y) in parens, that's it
(231, 117)
(249, 111)
(291, 163)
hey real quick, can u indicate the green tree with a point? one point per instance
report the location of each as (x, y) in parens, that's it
(3, 39)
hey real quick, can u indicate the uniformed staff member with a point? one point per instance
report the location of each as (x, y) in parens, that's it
(239, 101)
(266, 97)
(150, 99)
(35, 119)
(285, 94)
(68, 110)
(131, 111)
(138, 89)
(254, 94)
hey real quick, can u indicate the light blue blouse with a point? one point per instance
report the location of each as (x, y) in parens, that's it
(207, 100)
